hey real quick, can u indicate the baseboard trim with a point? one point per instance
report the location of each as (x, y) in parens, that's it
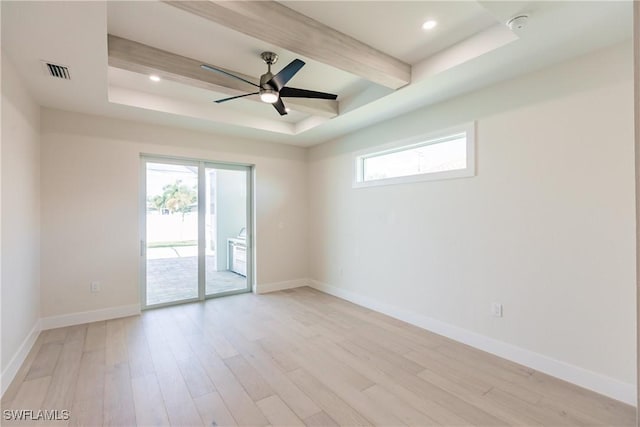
(89, 316)
(19, 357)
(279, 286)
(598, 383)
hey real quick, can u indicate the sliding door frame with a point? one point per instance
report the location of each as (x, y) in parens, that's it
(202, 165)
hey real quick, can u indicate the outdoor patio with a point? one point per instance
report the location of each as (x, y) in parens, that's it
(172, 275)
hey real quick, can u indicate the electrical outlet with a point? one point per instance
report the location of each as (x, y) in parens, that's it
(95, 287)
(496, 309)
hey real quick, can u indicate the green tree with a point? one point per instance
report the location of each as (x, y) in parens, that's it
(176, 197)
(157, 202)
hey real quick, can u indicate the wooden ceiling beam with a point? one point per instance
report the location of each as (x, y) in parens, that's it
(140, 58)
(279, 25)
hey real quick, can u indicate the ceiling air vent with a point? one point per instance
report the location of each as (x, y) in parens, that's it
(55, 70)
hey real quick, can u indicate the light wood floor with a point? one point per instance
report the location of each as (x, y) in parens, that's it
(290, 358)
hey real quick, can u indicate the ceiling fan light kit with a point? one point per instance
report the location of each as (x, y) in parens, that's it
(272, 88)
(268, 95)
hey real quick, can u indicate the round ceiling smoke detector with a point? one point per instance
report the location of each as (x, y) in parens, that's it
(518, 22)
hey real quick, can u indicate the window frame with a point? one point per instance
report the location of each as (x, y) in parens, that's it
(441, 136)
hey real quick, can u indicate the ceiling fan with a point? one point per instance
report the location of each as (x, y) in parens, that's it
(272, 88)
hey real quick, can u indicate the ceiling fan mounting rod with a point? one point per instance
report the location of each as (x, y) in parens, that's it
(269, 58)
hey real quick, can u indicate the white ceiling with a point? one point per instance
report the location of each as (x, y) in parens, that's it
(395, 27)
(469, 48)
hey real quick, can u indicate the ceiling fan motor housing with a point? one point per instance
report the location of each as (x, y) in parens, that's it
(264, 79)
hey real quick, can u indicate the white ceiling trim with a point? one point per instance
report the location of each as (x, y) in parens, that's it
(147, 101)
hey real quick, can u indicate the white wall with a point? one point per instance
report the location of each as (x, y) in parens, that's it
(546, 227)
(20, 219)
(90, 175)
(636, 72)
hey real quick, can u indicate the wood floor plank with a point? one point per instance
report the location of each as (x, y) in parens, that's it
(397, 339)
(321, 419)
(523, 411)
(250, 379)
(90, 383)
(76, 333)
(307, 354)
(195, 377)
(210, 325)
(236, 398)
(480, 399)
(330, 403)
(279, 350)
(469, 412)
(45, 362)
(550, 409)
(352, 395)
(260, 360)
(240, 404)
(15, 385)
(574, 399)
(148, 402)
(278, 413)
(96, 336)
(32, 396)
(88, 402)
(213, 410)
(87, 412)
(442, 415)
(405, 412)
(488, 361)
(394, 358)
(115, 343)
(472, 377)
(223, 347)
(63, 381)
(119, 408)
(178, 402)
(31, 393)
(138, 354)
(55, 335)
(454, 372)
(287, 358)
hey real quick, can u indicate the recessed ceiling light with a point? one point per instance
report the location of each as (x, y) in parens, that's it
(154, 78)
(429, 25)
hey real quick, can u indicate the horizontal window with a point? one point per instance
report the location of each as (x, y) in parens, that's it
(437, 156)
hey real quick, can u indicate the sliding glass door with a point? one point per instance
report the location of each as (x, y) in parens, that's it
(171, 213)
(195, 226)
(226, 230)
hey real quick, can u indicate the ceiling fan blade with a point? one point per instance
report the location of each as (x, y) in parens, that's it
(218, 70)
(279, 106)
(279, 80)
(292, 92)
(218, 101)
